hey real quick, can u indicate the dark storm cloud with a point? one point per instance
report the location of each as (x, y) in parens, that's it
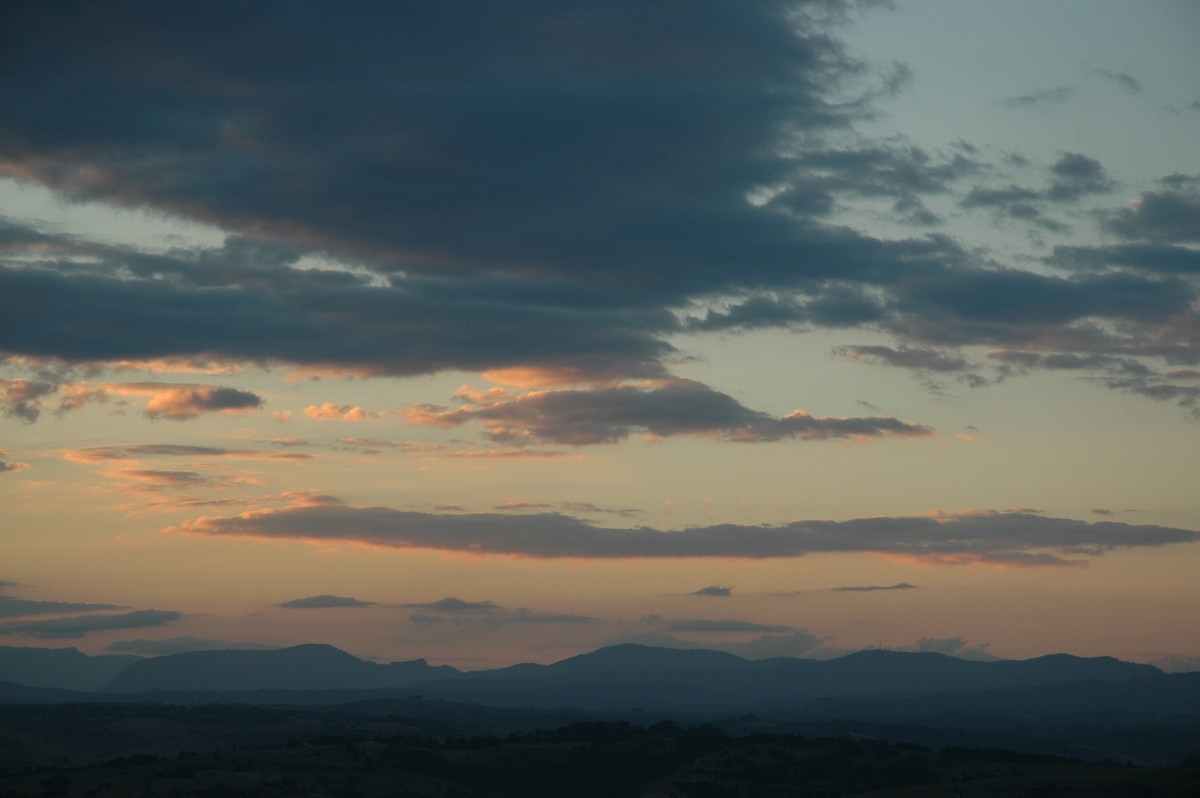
(80, 625)
(13, 607)
(583, 117)
(872, 588)
(324, 601)
(1015, 538)
(679, 407)
(412, 326)
(526, 185)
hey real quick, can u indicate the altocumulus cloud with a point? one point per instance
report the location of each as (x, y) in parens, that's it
(80, 625)
(1001, 538)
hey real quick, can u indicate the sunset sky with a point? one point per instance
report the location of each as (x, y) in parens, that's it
(498, 332)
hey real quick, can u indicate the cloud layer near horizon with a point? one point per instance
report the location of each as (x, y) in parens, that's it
(1011, 538)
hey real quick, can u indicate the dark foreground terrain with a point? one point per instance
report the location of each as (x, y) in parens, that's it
(356, 752)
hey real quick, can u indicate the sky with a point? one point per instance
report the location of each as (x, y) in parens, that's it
(492, 333)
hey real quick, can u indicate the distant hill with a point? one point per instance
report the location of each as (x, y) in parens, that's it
(307, 667)
(617, 678)
(62, 668)
(625, 676)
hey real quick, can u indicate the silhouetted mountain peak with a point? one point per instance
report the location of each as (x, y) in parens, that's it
(311, 666)
(64, 668)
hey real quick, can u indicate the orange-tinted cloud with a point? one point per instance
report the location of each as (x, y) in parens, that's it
(332, 412)
(175, 401)
(10, 465)
(23, 398)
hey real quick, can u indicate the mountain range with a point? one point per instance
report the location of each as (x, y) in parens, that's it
(1091, 707)
(612, 678)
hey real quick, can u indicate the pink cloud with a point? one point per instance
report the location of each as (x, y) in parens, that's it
(332, 412)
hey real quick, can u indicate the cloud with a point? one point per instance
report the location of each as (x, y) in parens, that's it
(102, 454)
(954, 647)
(525, 615)
(1175, 663)
(515, 505)
(454, 604)
(713, 590)
(870, 588)
(80, 625)
(1161, 216)
(13, 607)
(677, 407)
(800, 643)
(546, 192)
(1123, 79)
(700, 625)
(331, 412)
(146, 481)
(1051, 96)
(923, 359)
(186, 402)
(1000, 538)
(178, 645)
(23, 399)
(1077, 175)
(324, 601)
(8, 466)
